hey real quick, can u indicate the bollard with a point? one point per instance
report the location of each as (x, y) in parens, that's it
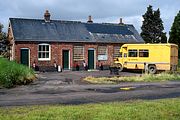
(59, 68)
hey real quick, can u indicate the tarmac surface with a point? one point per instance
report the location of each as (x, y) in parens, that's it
(69, 88)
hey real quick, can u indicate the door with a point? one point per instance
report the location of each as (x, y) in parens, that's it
(66, 59)
(24, 56)
(90, 59)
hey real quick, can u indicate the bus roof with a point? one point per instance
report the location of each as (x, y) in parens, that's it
(150, 44)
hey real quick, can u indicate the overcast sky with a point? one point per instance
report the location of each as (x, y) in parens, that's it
(102, 11)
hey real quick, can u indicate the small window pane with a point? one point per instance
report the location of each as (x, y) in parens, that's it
(39, 54)
(47, 47)
(47, 55)
(43, 55)
(44, 48)
(40, 48)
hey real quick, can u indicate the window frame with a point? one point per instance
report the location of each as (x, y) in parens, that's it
(102, 57)
(44, 59)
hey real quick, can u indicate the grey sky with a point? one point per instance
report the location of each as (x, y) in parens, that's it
(101, 10)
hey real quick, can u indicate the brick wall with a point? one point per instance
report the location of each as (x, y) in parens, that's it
(56, 54)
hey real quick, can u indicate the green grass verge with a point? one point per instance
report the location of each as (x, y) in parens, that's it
(12, 73)
(144, 78)
(165, 109)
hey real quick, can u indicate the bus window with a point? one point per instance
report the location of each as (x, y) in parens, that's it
(143, 53)
(132, 53)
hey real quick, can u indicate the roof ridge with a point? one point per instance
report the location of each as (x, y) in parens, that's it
(44, 20)
(71, 21)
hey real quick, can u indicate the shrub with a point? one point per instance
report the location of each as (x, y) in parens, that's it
(12, 73)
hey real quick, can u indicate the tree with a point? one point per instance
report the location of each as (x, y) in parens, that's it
(152, 28)
(175, 31)
(2, 34)
(3, 43)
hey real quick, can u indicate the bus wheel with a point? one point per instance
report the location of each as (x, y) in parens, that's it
(152, 69)
(120, 67)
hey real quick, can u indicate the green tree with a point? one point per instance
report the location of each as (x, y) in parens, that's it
(152, 28)
(2, 34)
(147, 25)
(175, 31)
(3, 43)
(159, 35)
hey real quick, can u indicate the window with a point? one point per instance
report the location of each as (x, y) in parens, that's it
(102, 52)
(132, 53)
(117, 52)
(78, 53)
(143, 53)
(44, 52)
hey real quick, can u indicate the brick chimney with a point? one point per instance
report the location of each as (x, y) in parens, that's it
(47, 16)
(90, 19)
(121, 21)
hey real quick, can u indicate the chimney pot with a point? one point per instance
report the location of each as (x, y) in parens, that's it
(90, 19)
(47, 16)
(121, 21)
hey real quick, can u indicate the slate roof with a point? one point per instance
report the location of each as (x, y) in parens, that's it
(72, 31)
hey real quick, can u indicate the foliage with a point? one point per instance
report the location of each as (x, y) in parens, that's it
(2, 34)
(152, 28)
(12, 74)
(144, 78)
(3, 43)
(175, 31)
(164, 109)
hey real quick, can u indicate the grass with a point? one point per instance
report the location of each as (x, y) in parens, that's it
(12, 73)
(144, 78)
(165, 109)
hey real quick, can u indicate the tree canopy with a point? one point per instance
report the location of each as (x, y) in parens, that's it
(2, 34)
(152, 27)
(175, 31)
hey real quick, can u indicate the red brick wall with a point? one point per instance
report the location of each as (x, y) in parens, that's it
(33, 51)
(56, 53)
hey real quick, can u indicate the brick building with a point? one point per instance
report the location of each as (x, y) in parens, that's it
(47, 43)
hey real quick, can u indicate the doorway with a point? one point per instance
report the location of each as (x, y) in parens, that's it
(90, 59)
(24, 56)
(66, 60)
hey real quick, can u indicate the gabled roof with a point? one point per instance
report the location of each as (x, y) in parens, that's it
(72, 31)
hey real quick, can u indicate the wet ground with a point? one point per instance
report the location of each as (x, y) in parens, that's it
(68, 88)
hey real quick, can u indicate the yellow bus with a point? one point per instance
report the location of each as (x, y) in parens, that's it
(151, 57)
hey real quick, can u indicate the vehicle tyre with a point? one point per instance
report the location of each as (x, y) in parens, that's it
(152, 69)
(120, 67)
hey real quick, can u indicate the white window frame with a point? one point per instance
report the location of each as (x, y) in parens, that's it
(45, 59)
